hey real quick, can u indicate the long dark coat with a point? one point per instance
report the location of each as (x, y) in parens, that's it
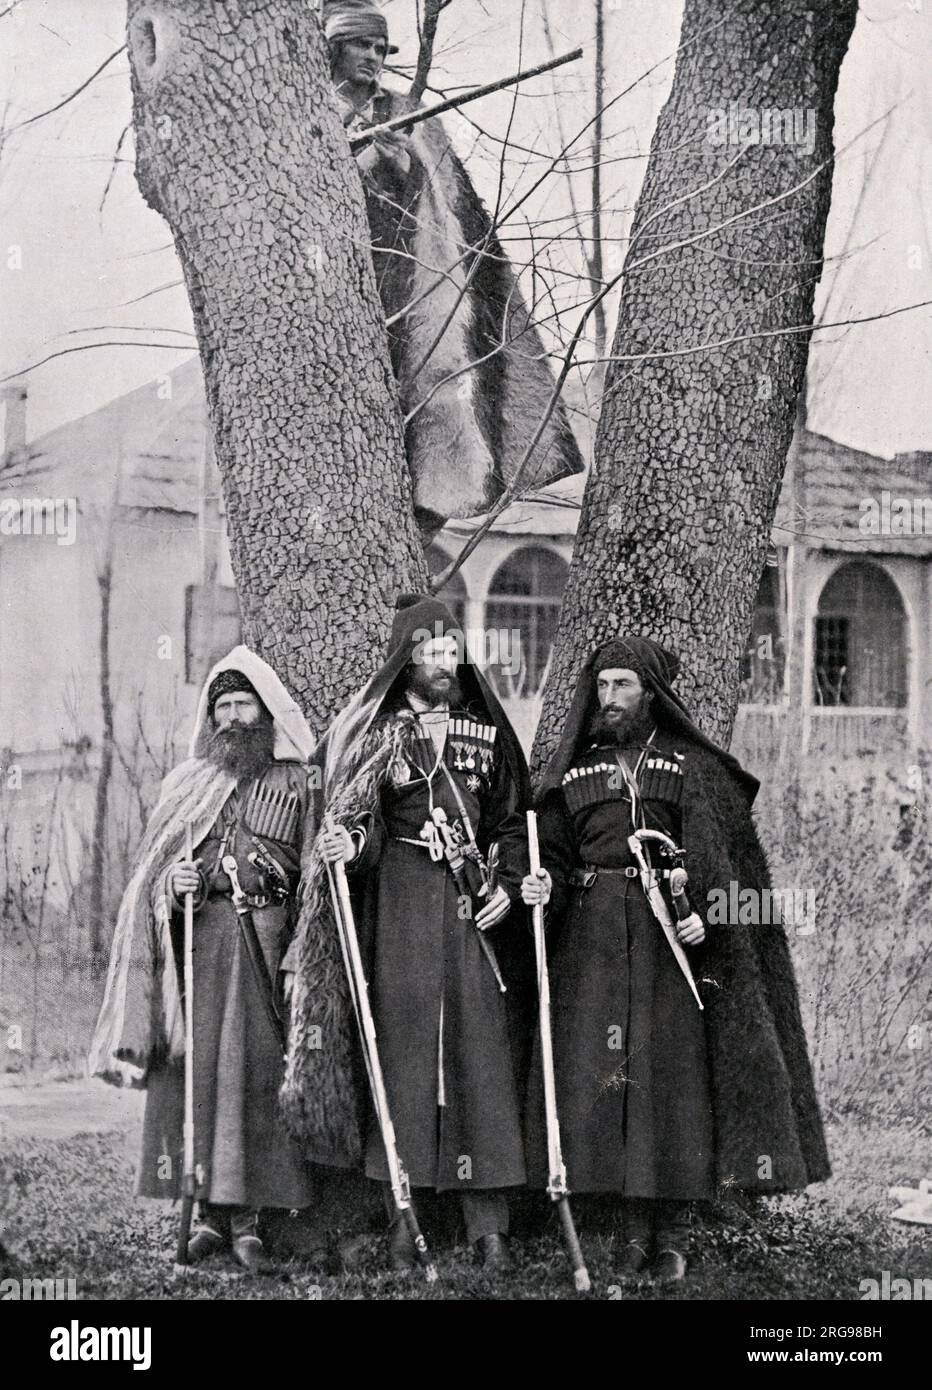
(245, 1156)
(325, 1095)
(632, 1075)
(767, 1129)
(443, 1025)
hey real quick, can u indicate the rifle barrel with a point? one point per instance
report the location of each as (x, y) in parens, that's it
(188, 1182)
(349, 944)
(557, 1184)
(412, 118)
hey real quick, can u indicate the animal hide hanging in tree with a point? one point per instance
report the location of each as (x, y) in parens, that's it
(469, 429)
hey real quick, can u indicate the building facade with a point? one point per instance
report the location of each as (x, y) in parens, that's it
(116, 595)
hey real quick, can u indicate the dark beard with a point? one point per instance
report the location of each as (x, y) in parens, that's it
(243, 751)
(627, 727)
(422, 685)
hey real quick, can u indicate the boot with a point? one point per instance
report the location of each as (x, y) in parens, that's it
(248, 1249)
(212, 1233)
(633, 1261)
(494, 1252)
(401, 1253)
(669, 1267)
(673, 1223)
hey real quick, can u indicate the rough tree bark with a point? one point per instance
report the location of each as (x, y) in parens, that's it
(240, 148)
(691, 447)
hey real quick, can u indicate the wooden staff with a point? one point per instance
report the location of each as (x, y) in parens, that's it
(359, 991)
(556, 1168)
(413, 118)
(189, 1177)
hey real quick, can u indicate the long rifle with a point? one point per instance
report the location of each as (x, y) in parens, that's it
(556, 1186)
(413, 118)
(188, 1176)
(359, 991)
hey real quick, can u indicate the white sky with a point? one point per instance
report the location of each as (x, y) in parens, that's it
(81, 266)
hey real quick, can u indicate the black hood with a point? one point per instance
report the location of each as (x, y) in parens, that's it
(658, 668)
(420, 618)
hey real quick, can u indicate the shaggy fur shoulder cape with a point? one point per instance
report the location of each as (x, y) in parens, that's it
(323, 1093)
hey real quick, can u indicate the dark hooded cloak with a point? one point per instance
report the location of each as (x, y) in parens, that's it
(324, 1094)
(767, 1129)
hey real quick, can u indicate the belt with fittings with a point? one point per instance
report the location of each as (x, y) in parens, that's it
(585, 877)
(252, 900)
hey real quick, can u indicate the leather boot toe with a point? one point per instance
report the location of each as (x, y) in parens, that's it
(249, 1252)
(669, 1267)
(494, 1252)
(203, 1243)
(633, 1261)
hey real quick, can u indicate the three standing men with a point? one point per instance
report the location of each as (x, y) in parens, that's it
(243, 790)
(659, 1101)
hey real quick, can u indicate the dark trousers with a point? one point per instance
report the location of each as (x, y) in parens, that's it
(485, 1212)
(657, 1222)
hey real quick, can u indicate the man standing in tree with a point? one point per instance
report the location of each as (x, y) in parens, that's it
(659, 1101)
(471, 367)
(244, 792)
(424, 741)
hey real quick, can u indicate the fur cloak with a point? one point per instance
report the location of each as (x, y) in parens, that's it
(763, 1095)
(467, 440)
(141, 1019)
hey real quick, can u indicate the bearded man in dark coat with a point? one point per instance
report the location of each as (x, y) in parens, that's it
(425, 735)
(661, 1101)
(244, 790)
(450, 295)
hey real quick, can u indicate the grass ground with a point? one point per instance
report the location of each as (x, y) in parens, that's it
(74, 1217)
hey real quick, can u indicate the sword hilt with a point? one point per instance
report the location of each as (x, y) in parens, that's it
(228, 864)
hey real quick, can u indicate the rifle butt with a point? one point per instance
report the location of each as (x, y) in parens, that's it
(184, 1228)
(580, 1272)
(420, 1245)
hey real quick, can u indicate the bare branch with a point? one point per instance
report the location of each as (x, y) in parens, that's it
(113, 168)
(71, 96)
(89, 347)
(427, 32)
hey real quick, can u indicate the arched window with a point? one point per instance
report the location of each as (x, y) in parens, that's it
(453, 594)
(762, 668)
(860, 639)
(523, 610)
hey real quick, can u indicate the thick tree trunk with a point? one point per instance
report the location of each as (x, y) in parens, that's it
(240, 148)
(691, 447)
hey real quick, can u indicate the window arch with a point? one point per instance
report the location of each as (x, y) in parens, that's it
(524, 598)
(453, 593)
(860, 639)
